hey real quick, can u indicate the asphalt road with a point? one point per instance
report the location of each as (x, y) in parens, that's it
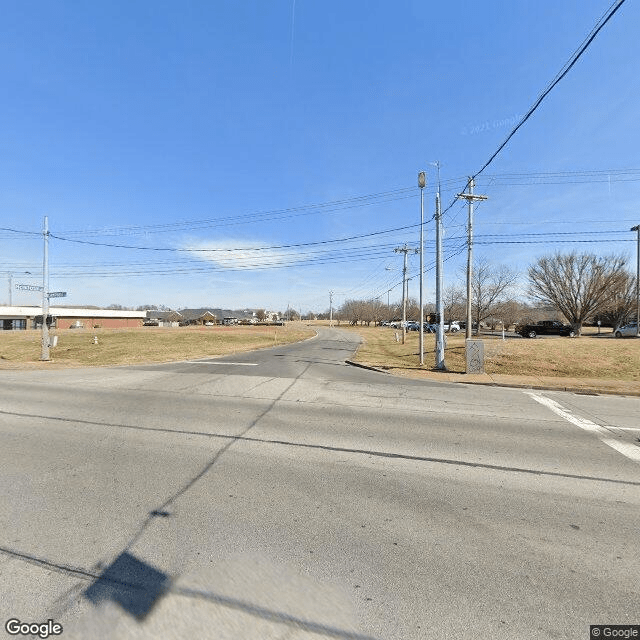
(284, 494)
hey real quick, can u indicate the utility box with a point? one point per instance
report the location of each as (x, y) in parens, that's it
(475, 356)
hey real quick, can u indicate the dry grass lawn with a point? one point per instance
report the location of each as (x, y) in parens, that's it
(590, 356)
(20, 349)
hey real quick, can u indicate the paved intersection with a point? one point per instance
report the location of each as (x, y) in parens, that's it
(285, 494)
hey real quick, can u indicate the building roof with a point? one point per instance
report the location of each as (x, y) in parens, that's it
(70, 312)
(194, 314)
(154, 314)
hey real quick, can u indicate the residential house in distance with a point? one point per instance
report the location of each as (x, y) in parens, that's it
(157, 318)
(197, 316)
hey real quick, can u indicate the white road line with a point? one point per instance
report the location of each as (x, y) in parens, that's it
(626, 449)
(235, 364)
(558, 409)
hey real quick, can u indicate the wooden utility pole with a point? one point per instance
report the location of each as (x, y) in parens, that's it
(470, 198)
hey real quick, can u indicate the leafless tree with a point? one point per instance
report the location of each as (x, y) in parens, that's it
(490, 286)
(453, 303)
(376, 310)
(509, 312)
(623, 304)
(350, 311)
(577, 284)
(261, 315)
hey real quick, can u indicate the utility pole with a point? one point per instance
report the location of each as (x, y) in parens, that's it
(422, 182)
(404, 250)
(331, 308)
(637, 230)
(45, 292)
(470, 198)
(440, 364)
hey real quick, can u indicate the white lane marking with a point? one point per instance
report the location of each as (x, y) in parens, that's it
(558, 409)
(624, 428)
(626, 449)
(236, 364)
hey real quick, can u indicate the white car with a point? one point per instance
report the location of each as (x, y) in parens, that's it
(453, 327)
(630, 329)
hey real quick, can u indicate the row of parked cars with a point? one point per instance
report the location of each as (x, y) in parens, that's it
(412, 325)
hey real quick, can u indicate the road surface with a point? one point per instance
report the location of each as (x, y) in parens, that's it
(285, 494)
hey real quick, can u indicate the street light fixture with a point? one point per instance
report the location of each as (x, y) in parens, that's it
(637, 230)
(422, 183)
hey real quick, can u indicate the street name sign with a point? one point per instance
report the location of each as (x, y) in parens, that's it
(57, 294)
(28, 287)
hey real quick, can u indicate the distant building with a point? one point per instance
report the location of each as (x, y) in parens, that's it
(20, 318)
(197, 316)
(163, 318)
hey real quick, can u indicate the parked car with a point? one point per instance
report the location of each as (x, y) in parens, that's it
(413, 326)
(453, 327)
(545, 327)
(630, 329)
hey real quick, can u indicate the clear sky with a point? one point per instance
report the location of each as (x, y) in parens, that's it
(243, 127)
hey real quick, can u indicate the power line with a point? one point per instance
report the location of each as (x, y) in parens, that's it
(561, 74)
(602, 21)
(246, 248)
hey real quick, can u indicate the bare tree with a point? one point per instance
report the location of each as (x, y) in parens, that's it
(577, 285)
(261, 315)
(376, 310)
(509, 312)
(490, 286)
(351, 311)
(453, 299)
(622, 305)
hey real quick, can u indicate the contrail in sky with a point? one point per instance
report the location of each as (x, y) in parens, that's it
(293, 24)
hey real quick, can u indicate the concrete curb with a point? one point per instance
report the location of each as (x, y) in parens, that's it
(587, 390)
(364, 366)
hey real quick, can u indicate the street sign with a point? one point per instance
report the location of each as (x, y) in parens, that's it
(57, 294)
(28, 287)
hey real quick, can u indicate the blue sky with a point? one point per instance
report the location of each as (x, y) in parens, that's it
(243, 128)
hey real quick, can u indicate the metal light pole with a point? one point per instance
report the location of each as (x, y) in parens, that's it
(331, 308)
(637, 230)
(10, 275)
(422, 181)
(440, 364)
